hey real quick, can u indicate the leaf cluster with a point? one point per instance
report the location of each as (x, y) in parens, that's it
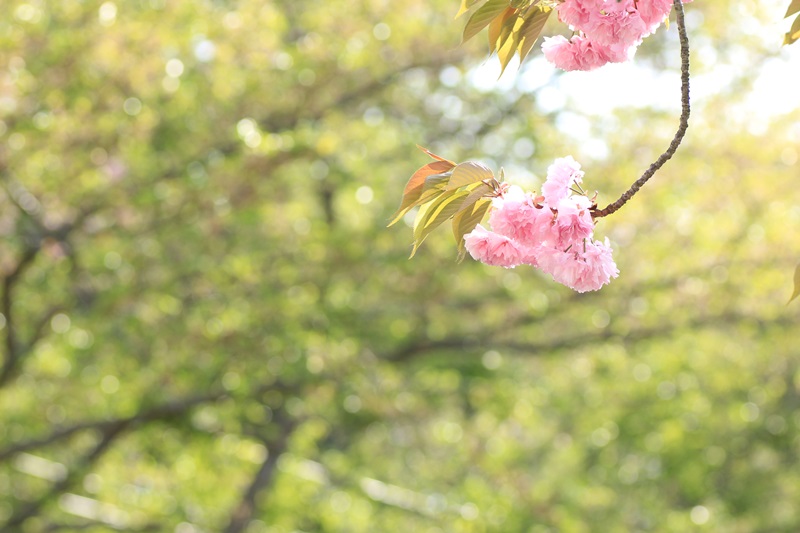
(794, 33)
(445, 190)
(514, 25)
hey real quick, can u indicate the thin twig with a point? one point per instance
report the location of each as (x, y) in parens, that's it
(684, 121)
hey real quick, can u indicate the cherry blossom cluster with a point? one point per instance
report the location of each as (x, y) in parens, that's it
(553, 232)
(607, 31)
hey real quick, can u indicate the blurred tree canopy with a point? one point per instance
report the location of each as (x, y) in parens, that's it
(206, 326)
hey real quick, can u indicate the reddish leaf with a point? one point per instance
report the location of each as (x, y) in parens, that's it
(416, 186)
(436, 157)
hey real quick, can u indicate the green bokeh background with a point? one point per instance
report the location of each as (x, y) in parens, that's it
(207, 327)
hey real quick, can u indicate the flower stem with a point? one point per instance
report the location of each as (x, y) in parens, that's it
(683, 125)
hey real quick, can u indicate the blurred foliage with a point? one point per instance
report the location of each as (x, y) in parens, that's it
(207, 327)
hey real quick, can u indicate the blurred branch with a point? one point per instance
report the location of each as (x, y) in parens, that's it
(684, 122)
(547, 347)
(110, 433)
(248, 507)
(97, 525)
(15, 349)
(292, 117)
(160, 412)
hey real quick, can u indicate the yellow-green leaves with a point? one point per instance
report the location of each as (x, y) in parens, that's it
(534, 21)
(794, 33)
(796, 292)
(443, 190)
(514, 25)
(466, 219)
(468, 173)
(465, 6)
(482, 17)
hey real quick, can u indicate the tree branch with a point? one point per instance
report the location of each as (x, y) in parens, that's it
(95, 526)
(15, 349)
(684, 122)
(12, 345)
(247, 508)
(110, 433)
(160, 412)
(548, 347)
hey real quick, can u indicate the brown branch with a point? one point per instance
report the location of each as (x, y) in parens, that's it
(684, 122)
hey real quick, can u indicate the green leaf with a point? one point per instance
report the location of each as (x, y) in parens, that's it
(482, 17)
(796, 292)
(466, 5)
(437, 181)
(465, 221)
(444, 210)
(419, 225)
(794, 33)
(508, 47)
(476, 194)
(467, 173)
(794, 7)
(506, 31)
(416, 186)
(433, 213)
(531, 29)
(496, 28)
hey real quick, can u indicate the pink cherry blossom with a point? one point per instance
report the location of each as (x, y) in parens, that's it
(492, 248)
(561, 175)
(554, 234)
(565, 267)
(530, 255)
(580, 270)
(578, 53)
(515, 215)
(599, 267)
(615, 28)
(607, 31)
(653, 12)
(574, 221)
(575, 13)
